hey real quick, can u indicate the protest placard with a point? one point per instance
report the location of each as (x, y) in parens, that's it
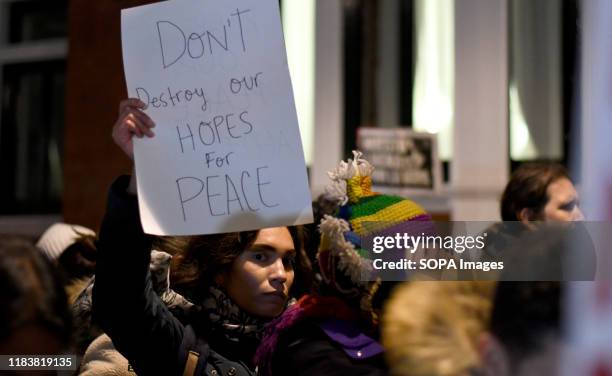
(227, 154)
(403, 158)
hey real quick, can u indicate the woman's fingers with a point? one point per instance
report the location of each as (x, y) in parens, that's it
(131, 109)
(133, 127)
(136, 122)
(143, 121)
(132, 122)
(131, 102)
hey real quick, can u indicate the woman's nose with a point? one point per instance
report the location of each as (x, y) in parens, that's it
(577, 214)
(278, 272)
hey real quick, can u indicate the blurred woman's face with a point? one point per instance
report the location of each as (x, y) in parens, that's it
(562, 205)
(261, 276)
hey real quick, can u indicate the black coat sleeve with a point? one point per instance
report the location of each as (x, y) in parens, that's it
(124, 303)
(308, 351)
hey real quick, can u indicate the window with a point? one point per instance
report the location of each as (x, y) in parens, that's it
(378, 65)
(36, 20)
(542, 80)
(32, 79)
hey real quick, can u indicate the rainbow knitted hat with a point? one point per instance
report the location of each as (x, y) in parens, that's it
(362, 213)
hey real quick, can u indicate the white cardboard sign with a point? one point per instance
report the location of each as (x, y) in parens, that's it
(227, 154)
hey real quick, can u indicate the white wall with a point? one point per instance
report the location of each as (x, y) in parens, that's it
(329, 99)
(595, 158)
(480, 158)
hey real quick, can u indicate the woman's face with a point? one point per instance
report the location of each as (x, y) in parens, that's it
(562, 202)
(260, 278)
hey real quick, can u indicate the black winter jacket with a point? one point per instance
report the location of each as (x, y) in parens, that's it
(306, 350)
(125, 306)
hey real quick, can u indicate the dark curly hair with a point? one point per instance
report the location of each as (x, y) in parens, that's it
(197, 260)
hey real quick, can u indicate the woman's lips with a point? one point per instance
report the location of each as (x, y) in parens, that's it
(276, 295)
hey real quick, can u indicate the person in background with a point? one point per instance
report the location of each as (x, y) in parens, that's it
(541, 236)
(525, 337)
(540, 192)
(99, 356)
(34, 314)
(433, 328)
(474, 329)
(72, 248)
(237, 283)
(334, 330)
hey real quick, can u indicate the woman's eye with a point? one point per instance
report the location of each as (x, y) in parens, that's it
(569, 206)
(289, 260)
(259, 256)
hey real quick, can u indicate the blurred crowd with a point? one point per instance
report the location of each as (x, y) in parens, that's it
(284, 300)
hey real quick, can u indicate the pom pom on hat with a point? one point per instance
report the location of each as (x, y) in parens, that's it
(59, 236)
(351, 180)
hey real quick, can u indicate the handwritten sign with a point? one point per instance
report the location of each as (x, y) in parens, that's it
(227, 154)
